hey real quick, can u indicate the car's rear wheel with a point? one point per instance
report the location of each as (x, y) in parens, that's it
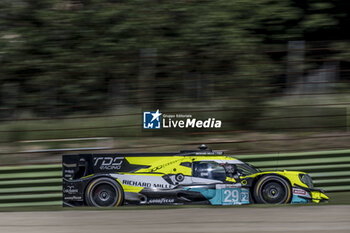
(272, 190)
(104, 192)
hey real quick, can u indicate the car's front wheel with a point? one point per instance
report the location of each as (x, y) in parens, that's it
(272, 190)
(104, 192)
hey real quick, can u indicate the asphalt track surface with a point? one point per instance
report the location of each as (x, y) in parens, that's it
(332, 219)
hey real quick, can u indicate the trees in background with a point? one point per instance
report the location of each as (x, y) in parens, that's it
(63, 57)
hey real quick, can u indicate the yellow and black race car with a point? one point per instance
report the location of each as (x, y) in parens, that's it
(189, 177)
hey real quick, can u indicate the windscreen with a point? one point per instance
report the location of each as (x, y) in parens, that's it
(209, 170)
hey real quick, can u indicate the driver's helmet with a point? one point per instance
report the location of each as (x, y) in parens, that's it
(230, 169)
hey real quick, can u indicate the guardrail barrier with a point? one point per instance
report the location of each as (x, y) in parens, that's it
(40, 185)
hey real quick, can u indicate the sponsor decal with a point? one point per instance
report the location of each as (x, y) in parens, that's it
(137, 183)
(73, 198)
(152, 182)
(160, 201)
(70, 190)
(179, 177)
(145, 184)
(69, 171)
(227, 186)
(299, 192)
(164, 165)
(158, 120)
(162, 186)
(108, 163)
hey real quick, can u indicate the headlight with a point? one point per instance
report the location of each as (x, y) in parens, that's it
(306, 179)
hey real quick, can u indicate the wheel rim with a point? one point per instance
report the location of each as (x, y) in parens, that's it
(274, 192)
(104, 194)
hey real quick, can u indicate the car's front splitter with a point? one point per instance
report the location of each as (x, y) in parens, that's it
(305, 195)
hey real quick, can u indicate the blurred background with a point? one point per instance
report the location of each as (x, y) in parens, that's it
(76, 75)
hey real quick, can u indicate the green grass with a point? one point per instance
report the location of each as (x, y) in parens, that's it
(339, 198)
(85, 127)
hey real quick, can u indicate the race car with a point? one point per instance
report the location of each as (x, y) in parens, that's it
(188, 177)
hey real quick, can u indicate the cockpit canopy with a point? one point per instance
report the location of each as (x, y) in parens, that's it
(219, 171)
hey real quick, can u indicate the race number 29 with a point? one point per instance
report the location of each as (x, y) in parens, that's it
(235, 196)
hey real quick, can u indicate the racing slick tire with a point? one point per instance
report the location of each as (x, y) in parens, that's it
(104, 192)
(272, 190)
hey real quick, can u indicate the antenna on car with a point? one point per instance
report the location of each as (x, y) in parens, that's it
(202, 147)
